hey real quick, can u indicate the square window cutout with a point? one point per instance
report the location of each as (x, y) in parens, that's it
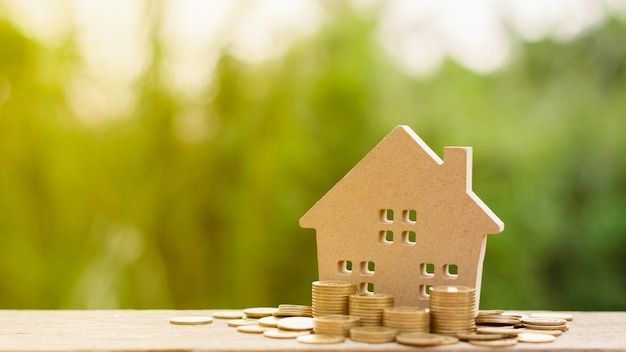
(425, 291)
(344, 267)
(386, 216)
(409, 238)
(451, 271)
(409, 216)
(385, 237)
(427, 270)
(366, 288)
(367, 268)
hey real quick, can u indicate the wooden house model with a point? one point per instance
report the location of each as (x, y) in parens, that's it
(403, 220)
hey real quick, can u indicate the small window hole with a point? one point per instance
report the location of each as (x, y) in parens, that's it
(451, 271)
(409, 238)
(386, 216)
(409, 216)
(425, 291)
(344, 267)
(385, 237)
(367, 268)
(427, 270)
(366, 288)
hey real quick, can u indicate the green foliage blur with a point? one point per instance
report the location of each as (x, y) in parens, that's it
(130, 215)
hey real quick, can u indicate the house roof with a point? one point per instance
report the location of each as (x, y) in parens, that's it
(402, 168)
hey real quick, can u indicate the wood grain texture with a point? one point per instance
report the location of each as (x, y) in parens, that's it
(150, 330)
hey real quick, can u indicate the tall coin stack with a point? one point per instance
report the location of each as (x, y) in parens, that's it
(407, 319)
(369, 307)
(452, 309)
(331, 297)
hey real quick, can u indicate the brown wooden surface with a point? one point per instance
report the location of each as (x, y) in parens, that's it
(142, 330)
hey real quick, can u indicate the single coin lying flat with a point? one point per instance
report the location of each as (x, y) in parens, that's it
(239, 322)
(320, 339)
(535, 338)
(476, 336)
(284, 334)
(269, 321)
(494, 343)
(420, 339)
(296, 323)
(252, 329)
(191, 320)
(228, 314)
(553, 315)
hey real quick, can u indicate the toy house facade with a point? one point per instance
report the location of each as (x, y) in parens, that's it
(403, 220)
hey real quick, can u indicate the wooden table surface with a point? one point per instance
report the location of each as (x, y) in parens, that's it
(143, 330)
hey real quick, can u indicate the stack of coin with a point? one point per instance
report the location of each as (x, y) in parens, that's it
(331, 297)
(293, 310)
(452, 309)
(545, 324)
(373, 334)
(259, 312)
(498, 319)
(369, 307)
(336, 324)
(407, 319)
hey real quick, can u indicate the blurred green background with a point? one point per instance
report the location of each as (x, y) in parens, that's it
(194, 203)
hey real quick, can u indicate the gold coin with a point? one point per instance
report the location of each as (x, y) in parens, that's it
(466, 336)
(373, 334)
(294, 306)
(191, 320)
(546, 327)
(452, 289)
(497, 319)
(240, 322)
(335, 324)
(490, 312)
(535, 338)
(373, 330)
(296, 323)
(544, 321)
(420, 339)
(228, 314)
(332, 283)
(269, 321)
(283, 334)
(535, 331)
(259, 312)
(252, 329)
(321, 339)
(337, 318)
(552, 315)
(497, 330)
(401, 312)
(449, 340)
(494, 343)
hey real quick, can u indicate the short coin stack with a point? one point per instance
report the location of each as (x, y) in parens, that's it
(452, 309)
(373, 334)
(369, 307)
(545, 324)
(331, 297)
(497, 318)
(293, 310)
(407, 319)
(337, 324)
(498, 329)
